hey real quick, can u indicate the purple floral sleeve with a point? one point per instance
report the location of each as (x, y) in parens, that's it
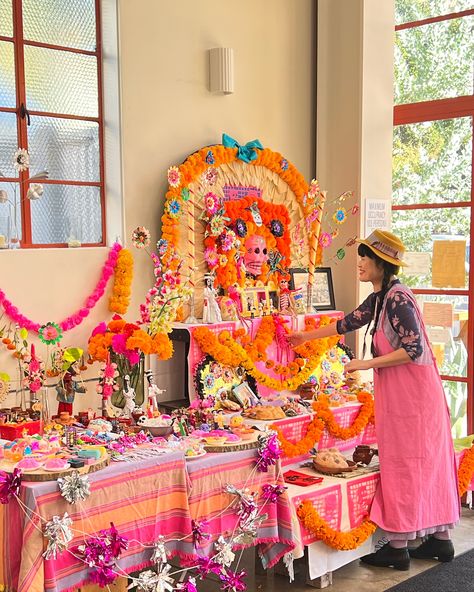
(358, 318)
(404, 320)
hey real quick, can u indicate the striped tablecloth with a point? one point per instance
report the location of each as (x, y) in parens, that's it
(208, 501)
(131, 496)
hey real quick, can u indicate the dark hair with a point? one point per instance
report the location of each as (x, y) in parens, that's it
(389, 270)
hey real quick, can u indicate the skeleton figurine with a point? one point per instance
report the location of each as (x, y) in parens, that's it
(286, 302)
(129, 394)
(153, 391)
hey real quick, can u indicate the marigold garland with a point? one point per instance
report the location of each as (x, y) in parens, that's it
(466, 471)
(121, 290)
(342, 541)
(324, 418)
(228, 352)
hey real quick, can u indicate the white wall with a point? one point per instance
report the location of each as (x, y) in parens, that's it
(354, 118)
(167, 113)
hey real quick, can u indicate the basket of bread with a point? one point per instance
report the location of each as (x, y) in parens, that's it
(331, 462)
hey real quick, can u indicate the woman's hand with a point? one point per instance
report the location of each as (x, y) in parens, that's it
(354, 365)
(297, 338)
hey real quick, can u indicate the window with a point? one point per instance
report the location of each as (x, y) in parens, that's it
(432, 188)
(51, 104)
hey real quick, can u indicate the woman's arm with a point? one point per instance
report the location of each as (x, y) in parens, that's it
(395, 358)
(302, 336)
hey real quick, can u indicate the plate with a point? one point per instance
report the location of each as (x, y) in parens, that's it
(200, 455)
(56, 469)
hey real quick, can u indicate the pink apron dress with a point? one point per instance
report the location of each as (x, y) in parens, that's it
(418, 478)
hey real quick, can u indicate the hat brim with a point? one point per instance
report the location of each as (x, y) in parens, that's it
(382, 255)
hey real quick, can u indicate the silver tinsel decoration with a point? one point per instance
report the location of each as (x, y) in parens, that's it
(74, 487)
(59, 535)
(146, 581)
(249, 520)
(224, 554)
(160, 555)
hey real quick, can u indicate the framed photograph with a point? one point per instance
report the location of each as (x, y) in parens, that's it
(244, 395)
(323, 291)
(255, 301)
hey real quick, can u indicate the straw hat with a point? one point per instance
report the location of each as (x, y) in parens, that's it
(385, 245)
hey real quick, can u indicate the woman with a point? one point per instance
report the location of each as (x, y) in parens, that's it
(417, 493)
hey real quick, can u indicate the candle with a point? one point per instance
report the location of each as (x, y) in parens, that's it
(191, 242)
(3, 242)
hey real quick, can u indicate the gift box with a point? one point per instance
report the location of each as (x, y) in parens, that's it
(14, 431)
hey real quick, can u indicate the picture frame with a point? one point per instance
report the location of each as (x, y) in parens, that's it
(255, 301)
(244, 395)
(323, 289)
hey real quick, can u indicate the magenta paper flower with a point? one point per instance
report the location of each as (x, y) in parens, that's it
(212, 203)
(9, 485)
(325, 239)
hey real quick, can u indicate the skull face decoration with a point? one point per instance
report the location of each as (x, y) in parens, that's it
(255, 254)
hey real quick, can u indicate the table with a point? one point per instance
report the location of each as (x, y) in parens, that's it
(208, 501)
(182, 333)
(294, 429)
(130, 496)
(146, 499)
(343, 503)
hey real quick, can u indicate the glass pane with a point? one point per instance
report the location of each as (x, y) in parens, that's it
(456, 395)
(67, 213)
(69, 149)
(418, 229)
(407, 11)
(48, 89)
(10, 214)
(434, 61)
(432, 162)
(8, 144)
(6, 22)
(71, 23)
(449, 343)
(7, 75)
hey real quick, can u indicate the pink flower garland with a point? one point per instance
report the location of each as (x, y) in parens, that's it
(75, 319)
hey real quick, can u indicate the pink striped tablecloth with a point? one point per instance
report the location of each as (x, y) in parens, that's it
(208, 501)
(143, 500)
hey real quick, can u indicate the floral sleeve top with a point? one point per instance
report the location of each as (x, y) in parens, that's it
(401, 314)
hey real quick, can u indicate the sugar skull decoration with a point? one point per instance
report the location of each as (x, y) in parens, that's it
(259, 243)
(256, 254)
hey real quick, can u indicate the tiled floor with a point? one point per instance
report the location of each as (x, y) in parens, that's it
(369, 579)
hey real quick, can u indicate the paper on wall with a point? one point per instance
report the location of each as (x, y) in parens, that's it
(377, 214)
(417, 263)
(438, 314)
(448, 265)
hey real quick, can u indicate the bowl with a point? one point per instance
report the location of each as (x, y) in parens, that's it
(244, 433)
(336, 470)
(161, 431)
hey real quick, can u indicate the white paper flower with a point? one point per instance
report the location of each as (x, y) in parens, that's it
(35, 191)
(21, 159)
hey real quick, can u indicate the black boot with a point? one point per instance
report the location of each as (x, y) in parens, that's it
(388, 556)
(433, 548)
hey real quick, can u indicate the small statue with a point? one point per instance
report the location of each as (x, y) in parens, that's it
(129, 394)
(153, 392)
(211, 312)
(286, 303)
(67, 388)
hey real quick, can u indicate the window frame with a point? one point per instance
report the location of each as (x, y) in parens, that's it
(439, 109)
(23, 114)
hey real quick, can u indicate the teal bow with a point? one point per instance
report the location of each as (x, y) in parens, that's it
(247, 153)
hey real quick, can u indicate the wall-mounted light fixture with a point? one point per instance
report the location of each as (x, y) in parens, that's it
(221, 70)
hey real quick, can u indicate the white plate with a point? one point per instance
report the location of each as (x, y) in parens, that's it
(195, 456)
